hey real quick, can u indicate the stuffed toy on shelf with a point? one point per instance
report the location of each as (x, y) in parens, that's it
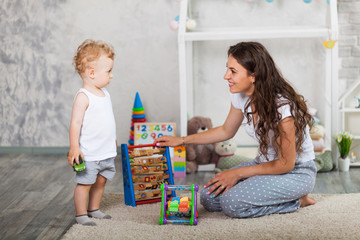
(227, 157)
(199, 154)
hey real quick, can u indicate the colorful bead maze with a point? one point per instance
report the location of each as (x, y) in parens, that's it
(144, 170)
(178, 210)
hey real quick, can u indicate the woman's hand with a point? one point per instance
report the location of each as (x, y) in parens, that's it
(169, 141)
(223, 181)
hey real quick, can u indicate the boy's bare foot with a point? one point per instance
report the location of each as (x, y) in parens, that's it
(306, 201)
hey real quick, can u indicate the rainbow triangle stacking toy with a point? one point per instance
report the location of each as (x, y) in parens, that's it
(138, 115)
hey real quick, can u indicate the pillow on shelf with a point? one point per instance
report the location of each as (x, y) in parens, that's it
(317, 131)
(319, 144)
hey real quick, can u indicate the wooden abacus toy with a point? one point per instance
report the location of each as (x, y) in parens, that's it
(144, 170)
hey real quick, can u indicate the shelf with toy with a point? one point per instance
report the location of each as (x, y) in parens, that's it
(256, 33)
(355, 164)
(212, 24)
(354, 156)
(350, 110)
(349, 107)
(144, 170)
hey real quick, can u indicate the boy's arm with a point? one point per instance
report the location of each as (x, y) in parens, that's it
(79, 107)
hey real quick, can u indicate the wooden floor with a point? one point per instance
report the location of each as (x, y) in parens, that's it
(36, 193)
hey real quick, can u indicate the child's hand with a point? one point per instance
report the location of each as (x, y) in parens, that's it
(74, 155)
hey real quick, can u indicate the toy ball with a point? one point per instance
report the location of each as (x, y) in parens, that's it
(177, 18)
(307, 1)
(269, 1)
(174, 25)
(190, 24)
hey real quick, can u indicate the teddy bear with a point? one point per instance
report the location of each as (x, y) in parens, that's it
(199, 154)
(227, 158)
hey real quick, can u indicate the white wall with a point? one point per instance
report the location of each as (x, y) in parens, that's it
(38, 82)
(38, 40)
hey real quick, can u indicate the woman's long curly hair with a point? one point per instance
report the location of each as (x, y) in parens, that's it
(270, 85)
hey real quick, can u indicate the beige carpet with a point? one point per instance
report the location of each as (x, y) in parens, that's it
(333, 217)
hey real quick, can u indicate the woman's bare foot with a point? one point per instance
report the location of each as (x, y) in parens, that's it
(306, 201)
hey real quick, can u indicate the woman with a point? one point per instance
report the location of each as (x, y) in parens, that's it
(280, 178)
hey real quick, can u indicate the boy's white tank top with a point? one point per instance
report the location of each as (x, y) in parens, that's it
(98, 131)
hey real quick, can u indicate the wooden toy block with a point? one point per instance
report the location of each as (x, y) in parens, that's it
(150, 177)
(180, 151)
(150, 169)
(146, 152)
(147, 186)
(147, 161)
(147, 195)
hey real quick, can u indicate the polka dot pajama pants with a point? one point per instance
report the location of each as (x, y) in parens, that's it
(263, 195)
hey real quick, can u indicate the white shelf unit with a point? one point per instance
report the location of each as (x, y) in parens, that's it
(348, 110)
(185, 48)
(207, 34)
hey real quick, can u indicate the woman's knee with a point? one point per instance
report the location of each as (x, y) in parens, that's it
(204, 197)
(208, 202)
(238, 212)
(203, 191)
(235, 208)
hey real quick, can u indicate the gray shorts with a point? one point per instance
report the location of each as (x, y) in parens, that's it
(105, 168)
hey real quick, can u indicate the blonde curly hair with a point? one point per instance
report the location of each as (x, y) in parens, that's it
(89, 51)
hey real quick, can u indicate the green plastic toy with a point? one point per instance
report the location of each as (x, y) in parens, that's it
(79, 167)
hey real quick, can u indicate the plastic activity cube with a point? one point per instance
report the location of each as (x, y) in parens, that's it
(178, 210)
